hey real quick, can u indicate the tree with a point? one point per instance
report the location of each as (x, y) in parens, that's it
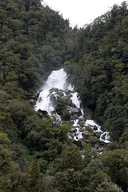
(34, 178)
(117, 164)
(11, 177)
(108, 187)
(124, 138)
(71, 158)
(67, 181)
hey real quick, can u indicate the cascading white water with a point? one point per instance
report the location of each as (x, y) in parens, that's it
(104, 135)
(75, 99)
(57, 81)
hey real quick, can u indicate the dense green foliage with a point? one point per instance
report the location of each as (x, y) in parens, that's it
(99, 68)
(36, 153)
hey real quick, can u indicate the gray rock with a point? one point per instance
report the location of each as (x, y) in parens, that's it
(96, 145)
(81, 129)
(98, 134)
(43, 113)
(74, 111)
(68, 92)
(32, 101)
(53, 99)
(75, 116)
(85, 134)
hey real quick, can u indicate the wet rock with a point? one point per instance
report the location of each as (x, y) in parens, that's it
(40, 99)
(68, 92)
(97, 134)
(81, 123)
(95, 128)
(56, 92)
(96, 145)
(88, 113)
(72, 135)
(53, 99)
(102, 144)
(32, 101)
(53, 112)
(74, 130)
(81, 129)
(82, 119)
(76, 134)
(79, 144)
(35, 96)
(85, 134)
(53, 90)
(100, 149)
(72, 122)
(72, 104)
(65, 98)
(74, 111)
(75, 116)
(43, 113)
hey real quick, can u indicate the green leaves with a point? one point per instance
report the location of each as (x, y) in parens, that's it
(34, 178)
(4, 139)
(35, 40)
(117, 163)
(71, 158)
(100, 73)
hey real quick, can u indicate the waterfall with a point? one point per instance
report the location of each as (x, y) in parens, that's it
(57, 86)
(57, 79)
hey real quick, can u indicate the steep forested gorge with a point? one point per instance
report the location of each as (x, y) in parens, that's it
(36, 154)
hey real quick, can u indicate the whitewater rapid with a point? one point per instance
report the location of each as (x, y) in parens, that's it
(57, 80)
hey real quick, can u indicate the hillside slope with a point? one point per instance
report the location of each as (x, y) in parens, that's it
(99, 69)
(36, 153)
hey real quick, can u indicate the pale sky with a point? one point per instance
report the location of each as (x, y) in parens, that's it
(81, 12)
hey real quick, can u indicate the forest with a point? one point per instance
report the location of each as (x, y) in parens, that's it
(36, 155)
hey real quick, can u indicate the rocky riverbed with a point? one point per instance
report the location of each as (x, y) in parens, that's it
(83, 128)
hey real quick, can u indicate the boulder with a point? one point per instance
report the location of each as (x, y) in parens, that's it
(97, 134)
(32, 101)
(74, 130)
(34, 96)
(85, 134)
(81, 123)
(81, 129)
(96, 145)
(53, 90)
(75, 116)
(68, 92)
(53, 99)
(72, 104)
(56, 91)
(87, 113)
(43, 113)
(74, 111)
